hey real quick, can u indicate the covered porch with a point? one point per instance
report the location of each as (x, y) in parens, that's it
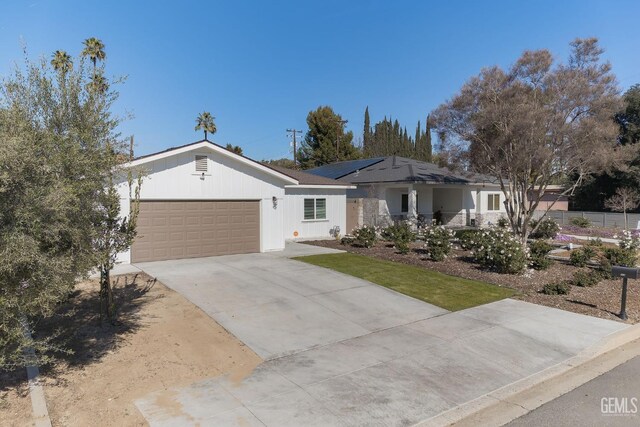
(449, 205)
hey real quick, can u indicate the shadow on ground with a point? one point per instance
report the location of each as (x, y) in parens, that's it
(80, 338)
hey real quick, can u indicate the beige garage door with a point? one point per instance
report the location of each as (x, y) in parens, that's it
(191, 229)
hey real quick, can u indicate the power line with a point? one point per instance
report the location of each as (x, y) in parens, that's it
(295, 152)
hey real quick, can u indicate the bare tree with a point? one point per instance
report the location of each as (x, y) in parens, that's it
(536, 124)
(624, 200)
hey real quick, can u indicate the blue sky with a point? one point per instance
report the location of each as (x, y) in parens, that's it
(261, 66)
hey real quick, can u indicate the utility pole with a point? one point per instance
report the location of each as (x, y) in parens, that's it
(342, 123)
(295, 149)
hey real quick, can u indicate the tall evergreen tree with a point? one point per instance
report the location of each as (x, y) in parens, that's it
(366, 136)
(326, 141)
(428, 152)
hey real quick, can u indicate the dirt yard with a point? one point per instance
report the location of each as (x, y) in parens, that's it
(161, 340)
(602, 300)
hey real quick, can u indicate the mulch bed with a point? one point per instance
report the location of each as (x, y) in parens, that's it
(602, 300)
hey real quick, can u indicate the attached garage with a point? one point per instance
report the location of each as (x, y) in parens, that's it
(174, 229)
(201, 200)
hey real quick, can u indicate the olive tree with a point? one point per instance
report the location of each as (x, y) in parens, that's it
(58, 149)
(538, 123)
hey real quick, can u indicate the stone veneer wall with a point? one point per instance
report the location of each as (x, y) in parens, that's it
(485, 218)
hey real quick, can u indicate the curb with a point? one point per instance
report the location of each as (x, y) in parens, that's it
(36, 392)
(514, 400)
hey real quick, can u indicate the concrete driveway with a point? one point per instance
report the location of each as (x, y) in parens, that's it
(342, 351)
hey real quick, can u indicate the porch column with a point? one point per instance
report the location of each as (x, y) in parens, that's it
(412, 211)
(479, 208)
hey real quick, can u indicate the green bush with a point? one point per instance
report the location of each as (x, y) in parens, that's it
(401, 235)
(438, 242)
(560, 288)
(465, 236)
(581, 222)
(347, 240)
(581, 256)
(595, 243)
(617, 256)
(548, 229)
(586, 279)
(502, 222)
(364, 236)
(538, 254)
(498, 249)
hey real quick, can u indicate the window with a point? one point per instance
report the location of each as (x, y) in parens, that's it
(201, 163)
(315, 209)
(405, 203)
(493, 202)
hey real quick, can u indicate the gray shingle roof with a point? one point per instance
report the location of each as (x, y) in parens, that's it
(402, 169)
(339, 169)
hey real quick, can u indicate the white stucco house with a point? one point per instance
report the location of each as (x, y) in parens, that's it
(392, 188)
(201, 200)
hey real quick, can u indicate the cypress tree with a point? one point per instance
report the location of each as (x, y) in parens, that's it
(366, 137)
(428, 147)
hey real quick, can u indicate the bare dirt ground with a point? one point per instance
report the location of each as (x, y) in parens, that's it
(160, 340)
(601, 300)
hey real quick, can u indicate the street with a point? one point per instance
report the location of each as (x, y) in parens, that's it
(610, 399)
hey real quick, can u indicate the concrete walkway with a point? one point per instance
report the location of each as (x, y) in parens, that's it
(342, 351)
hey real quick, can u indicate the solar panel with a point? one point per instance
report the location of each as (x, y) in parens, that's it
(340, 169)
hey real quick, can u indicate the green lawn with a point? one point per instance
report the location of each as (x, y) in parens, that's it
(449, 292)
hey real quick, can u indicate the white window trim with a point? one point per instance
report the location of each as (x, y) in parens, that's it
(315, 208)
(492, 208)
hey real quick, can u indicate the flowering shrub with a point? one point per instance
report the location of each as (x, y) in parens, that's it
(629, 240)
(592, 231)
(547, 228)
(364, 236)
(498, 249)
(538, 251)
(401, 235)
(502, 222)
(438, 242)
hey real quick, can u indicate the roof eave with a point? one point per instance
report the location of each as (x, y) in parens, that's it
(215, 148)
(336, 187)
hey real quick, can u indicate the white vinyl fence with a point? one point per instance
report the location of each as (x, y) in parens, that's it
(599, 219)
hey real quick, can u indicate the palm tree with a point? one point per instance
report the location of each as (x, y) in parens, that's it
(94, 49)
(98, 84)
(61, 61)
(206, 123)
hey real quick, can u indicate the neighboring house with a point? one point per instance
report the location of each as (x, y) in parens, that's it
(202, 200)
(392, 188)
(553, 198)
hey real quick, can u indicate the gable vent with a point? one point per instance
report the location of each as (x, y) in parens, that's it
(201, 164)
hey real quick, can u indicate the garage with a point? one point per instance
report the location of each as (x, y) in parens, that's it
(175, 229)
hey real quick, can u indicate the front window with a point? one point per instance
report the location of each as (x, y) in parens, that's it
(493, 202)
(315, 209)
